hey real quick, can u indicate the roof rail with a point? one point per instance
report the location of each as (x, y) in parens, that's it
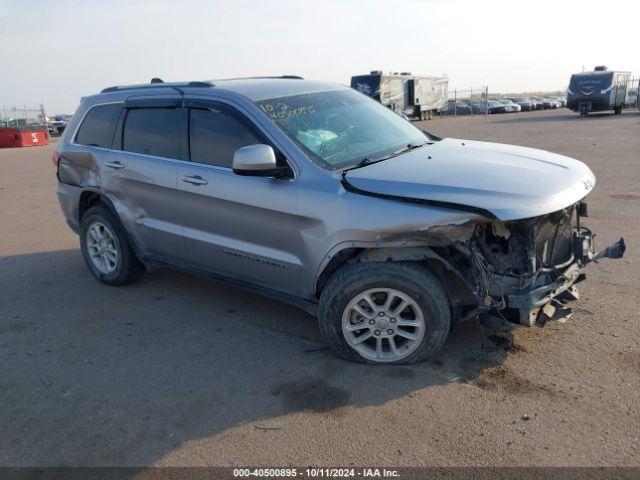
(275, 77)
(157, 84)
(200, 84)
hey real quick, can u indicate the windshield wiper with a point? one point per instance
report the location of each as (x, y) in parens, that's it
(410, 146)
(369, 160)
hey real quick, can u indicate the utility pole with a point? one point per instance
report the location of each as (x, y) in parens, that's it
(455, 102)
(486, 99)
(45, 120)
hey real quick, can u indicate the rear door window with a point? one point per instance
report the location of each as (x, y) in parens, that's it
(99, 125)
(215, 135)
(154, 131)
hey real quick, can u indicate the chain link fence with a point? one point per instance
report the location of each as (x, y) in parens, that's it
(22, 116)
(472, 101)
(25, 117)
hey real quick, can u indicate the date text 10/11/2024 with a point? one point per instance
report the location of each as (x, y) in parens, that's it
(315, 473)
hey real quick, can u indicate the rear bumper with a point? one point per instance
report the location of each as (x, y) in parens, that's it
(597, 103)
(69, 198)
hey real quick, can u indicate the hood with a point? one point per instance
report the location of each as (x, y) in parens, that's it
(508, 181)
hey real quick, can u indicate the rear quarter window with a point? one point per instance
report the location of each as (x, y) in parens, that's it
(99, 125)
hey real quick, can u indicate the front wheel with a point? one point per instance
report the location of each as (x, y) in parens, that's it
(385, 313)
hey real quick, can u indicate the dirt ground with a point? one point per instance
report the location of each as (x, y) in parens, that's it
(177, 370)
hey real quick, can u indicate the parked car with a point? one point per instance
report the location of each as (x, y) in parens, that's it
(547, 103)
(510, 105)
(459, 108)
(494, 106)
(318, 195)
(56, 125)
(479, 107)
(536, 104)
(555, 103)
(525, 104)
(544, 105)
(561, 100)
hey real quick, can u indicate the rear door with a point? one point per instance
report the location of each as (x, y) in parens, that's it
(141, 173)
(246, 228)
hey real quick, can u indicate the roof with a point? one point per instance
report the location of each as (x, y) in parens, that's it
(599, 72)
(256, 89)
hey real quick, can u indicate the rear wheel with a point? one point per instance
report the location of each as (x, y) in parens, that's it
(391, 313)
(106, 249)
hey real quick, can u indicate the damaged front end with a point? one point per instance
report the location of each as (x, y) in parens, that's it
(525, 271)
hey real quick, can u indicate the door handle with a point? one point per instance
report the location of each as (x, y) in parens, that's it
(115, 165)
(195, 180)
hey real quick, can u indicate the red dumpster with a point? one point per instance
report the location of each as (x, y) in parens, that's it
(12, 137)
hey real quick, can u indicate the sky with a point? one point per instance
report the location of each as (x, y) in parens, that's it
(55, 52)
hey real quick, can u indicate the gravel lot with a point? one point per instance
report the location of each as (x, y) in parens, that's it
(177, 370)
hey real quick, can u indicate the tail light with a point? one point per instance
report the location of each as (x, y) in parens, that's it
(55, 158)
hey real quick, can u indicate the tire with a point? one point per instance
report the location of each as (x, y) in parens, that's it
(403, 280)
(111, 269)
(617, 110)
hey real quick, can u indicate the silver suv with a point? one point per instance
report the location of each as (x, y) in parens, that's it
(317, 195)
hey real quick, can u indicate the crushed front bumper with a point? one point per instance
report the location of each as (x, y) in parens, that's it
(543, 296)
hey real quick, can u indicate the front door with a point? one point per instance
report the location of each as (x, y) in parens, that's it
(242, 227)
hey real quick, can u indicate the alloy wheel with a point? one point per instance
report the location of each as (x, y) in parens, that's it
(102, 247)
(383, 325)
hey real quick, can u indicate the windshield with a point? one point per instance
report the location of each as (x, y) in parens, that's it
(342, 128)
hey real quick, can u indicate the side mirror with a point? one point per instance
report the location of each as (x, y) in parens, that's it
(257, 161)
